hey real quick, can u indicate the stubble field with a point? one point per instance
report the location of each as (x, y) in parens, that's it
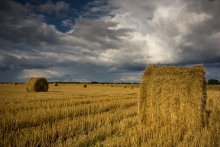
(98, 115)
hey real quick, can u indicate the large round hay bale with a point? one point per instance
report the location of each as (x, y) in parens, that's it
(172, 97)
(37, 84)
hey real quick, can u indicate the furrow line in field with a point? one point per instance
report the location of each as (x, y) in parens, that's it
(96, 136)
(15, 108)
(68, 128)
(30, 120)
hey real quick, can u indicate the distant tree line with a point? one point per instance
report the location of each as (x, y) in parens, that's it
(92, 82)
(209, 82)
(213, 82)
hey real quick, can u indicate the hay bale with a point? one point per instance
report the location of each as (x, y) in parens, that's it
(56, 84)
(84, 85)
(37, 84)
(14, 83)
(174, 96)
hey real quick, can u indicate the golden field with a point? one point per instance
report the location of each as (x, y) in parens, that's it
(98, 115)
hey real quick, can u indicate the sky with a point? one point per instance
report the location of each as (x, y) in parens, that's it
(106, 40)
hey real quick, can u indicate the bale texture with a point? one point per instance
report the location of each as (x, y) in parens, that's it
(173, 96)
(37, 84)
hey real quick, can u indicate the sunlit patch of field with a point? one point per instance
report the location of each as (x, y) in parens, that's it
(70, 115)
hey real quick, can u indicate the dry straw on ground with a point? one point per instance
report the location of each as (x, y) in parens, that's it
(173, 96)
(37, 84)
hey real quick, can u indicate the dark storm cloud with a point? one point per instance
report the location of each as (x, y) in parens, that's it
(99, 32)
(20, 25)
(29, 45)
(215, 65)
(202, 43)
(12, 62)
(134, 67)
(110, 41)
(97, 8)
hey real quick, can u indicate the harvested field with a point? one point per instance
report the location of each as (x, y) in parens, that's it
(71, 115)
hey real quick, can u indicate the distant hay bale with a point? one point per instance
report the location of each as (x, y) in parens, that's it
(56, 84)
(14, 83)
(174, 96)
(84, 85)
(37, 84)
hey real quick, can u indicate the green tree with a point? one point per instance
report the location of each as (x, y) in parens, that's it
(213, 82)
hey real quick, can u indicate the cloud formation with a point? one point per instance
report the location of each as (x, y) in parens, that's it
(173, 31)
(50, 7)
(109, 41)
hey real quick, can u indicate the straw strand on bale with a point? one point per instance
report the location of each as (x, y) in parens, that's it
(37, 84)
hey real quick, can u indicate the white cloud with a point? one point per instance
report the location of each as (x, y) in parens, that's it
(128, 78)
(28, 73)
(67, 23)
(56, 7)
